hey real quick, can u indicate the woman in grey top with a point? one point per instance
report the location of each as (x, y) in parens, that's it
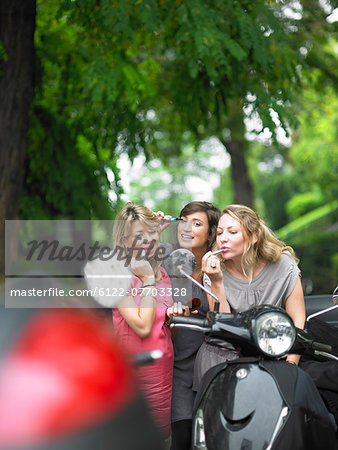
(254, 268)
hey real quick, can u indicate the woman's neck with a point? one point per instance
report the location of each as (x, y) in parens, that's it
(198, 253)
(235, 269)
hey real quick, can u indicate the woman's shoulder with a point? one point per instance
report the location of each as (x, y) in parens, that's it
(286, 260)
(286, 265)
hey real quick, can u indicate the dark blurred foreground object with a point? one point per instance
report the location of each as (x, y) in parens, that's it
(324, 373)
(66, 385)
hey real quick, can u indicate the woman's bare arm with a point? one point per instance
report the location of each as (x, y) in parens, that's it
(141, 317)
(295, 307)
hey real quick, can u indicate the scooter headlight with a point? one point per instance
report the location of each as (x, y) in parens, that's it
(274, 333)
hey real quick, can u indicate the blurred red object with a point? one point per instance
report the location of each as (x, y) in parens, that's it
(60, 374)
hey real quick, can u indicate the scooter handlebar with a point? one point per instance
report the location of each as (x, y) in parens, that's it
(184, 320)
(321, 347)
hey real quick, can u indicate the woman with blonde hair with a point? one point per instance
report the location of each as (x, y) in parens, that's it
(139, 318)
(254, 268)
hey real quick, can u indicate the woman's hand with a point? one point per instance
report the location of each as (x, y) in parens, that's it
(211, 266)
(164, 220)
(178, 310)
(293, 359)
(142, 269)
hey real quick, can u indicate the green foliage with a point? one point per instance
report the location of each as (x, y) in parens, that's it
(104, 65)
(62, 177)
(276, 188)
(314, 237)
(3, 53)
(315, 153)
(334, 262)
(316, 219)
(275, 182)
(298, 188)
(301, 204)
(294, 181)
(318, 260)
(223, 195)
(317, 37)
(204, 53)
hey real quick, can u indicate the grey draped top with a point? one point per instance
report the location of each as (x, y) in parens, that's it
(272, 286)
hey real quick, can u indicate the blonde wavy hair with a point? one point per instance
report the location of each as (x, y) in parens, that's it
(267, 246)
(128, 214)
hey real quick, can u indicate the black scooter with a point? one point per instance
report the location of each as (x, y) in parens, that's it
(259, 401)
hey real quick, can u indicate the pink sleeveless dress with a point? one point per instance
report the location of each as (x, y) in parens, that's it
(156, 378)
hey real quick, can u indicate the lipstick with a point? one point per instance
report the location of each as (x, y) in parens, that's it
(217, 252)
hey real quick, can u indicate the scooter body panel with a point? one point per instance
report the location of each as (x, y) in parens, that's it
(258, 404)
(245, 414)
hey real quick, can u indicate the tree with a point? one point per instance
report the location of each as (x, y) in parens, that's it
(298, 187)
(17, 24)
(315, 152)
(196, 64)
(190, 62)
(293, 181)
(84, 116)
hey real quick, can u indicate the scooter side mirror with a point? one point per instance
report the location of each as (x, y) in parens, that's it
(180, 258)
(182, 262)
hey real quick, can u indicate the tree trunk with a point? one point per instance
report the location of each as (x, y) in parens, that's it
(243, 192)
(17, 25)
(236, 146)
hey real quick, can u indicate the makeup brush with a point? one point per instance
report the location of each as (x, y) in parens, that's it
(173, 219)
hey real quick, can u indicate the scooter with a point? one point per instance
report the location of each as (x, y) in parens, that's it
(259, 401)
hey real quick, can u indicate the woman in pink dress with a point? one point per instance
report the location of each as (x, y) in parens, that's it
(140, 317)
